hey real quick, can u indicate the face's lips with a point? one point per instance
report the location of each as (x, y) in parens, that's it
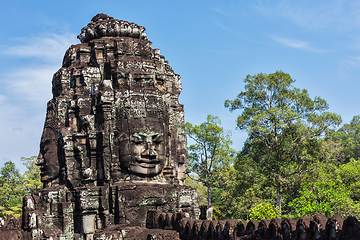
(145, 165)
(148, 161)
(44, 176)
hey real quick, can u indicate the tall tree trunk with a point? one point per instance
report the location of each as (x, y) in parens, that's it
(278, 195)
(209, 195)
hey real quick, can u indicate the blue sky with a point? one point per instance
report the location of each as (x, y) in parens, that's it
(212, 44)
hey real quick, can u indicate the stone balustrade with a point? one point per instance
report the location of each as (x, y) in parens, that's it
(317, 227)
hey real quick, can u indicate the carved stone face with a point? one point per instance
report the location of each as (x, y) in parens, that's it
(143, 148)
(48, 157)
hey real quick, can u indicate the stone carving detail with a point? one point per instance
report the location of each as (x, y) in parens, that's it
(115, 114)
(104, 26)
(113, 145)
(113, 154)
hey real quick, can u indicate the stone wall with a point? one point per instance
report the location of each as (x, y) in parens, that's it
(317, 227)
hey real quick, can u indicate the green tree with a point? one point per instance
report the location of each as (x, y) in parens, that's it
(252, 187)
(350, 176)
(14, 186)
(349, 137)
(32, 178)
(329, 190)
(210, 154)
(222, 193)
(286, 124)
(11, 190)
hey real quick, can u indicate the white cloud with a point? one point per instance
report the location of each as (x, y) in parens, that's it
(19, 130)
(294, 43)
(353, 61)
(31, 84)
(25, 91)
(49, 48)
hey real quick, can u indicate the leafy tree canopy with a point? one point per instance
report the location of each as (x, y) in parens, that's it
(349, 137)
(14, 186)
(11, 190)
(331, 189)
(210, 154)
(285, 125)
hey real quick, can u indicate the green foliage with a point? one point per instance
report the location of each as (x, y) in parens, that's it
(263, 211)
(244, 188)
(349, 137)
(285, 127)
(11, 190)
(222, 193)
(217, 214)
(350, 176)
(326, 197)
(31, 176)
(14, 186)
(329, 191)
(211, 154)
(241, 204)
(332, 188)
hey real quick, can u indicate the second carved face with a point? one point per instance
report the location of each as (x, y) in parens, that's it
(48, 156)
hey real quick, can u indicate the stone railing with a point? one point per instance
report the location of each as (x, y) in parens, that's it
(317, 227)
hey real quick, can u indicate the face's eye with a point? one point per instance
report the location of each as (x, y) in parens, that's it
(44, 148)
(137, 140)
(157, 139)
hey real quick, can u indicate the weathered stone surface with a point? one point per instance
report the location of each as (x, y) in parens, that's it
(351, 229)
(206, 212)
(190, 229)
(104, 26)
(288, 228)
(240, 228)
(113, 148)
(230, 229)
(113, 154)
(334, 227)
(12, 234)
(12, 223)
(135, 200)
(251, 228)
(115, 115)
(263, 228)
(303, 228)
(317, 226)
(274, 228)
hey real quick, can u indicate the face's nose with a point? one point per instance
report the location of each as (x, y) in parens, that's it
(149, 151)
(40, 160)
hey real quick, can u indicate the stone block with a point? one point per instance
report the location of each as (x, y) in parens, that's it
(88, 221)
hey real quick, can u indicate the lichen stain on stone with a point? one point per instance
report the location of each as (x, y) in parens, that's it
(152, 202)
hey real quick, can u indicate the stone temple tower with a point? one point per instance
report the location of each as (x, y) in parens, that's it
(113, 154)
(113, 98)
(113, 148)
